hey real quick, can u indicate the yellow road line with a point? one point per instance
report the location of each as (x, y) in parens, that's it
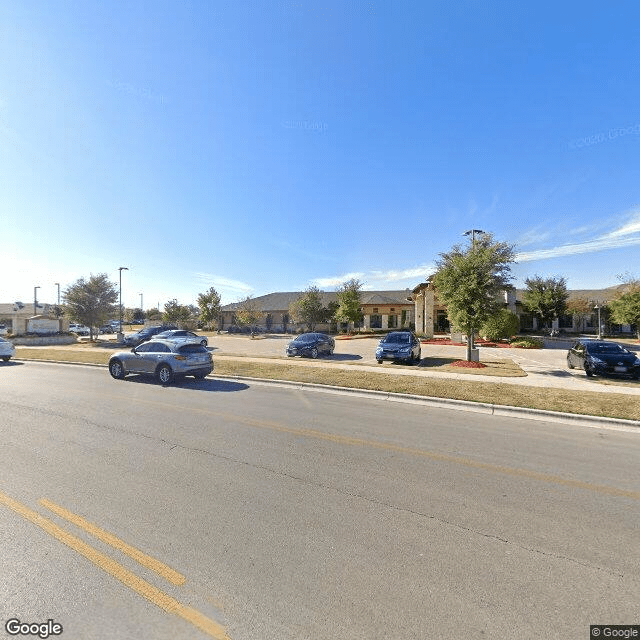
(139, 556)
(432, 455)
(118, 571)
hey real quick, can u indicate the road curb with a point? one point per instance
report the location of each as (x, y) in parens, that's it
(616, 424)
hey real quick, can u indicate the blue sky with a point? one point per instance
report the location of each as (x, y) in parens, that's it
(267, 146)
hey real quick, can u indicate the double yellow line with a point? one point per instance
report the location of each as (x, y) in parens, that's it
(114, 568)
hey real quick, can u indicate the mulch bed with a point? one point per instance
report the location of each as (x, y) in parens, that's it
(468, 365)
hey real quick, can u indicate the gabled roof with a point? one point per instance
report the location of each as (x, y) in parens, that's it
(281, 301)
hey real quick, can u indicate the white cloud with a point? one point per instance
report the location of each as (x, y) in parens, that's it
(590, 246)
(225, 285)
(632, 226)
(336, 281)
(379, 279)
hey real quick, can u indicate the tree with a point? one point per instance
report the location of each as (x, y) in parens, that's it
(349, 305)
(309, 309)
(625, 309)
(153, 314)
(248, 314)
(470, 279)
(546, 298)
(580, 309)
(176, 313)
(133, 314)
(91, 301)
(209, 305)
(503, 324)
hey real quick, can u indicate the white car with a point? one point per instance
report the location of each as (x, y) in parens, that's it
(80, 329)
(7, 350)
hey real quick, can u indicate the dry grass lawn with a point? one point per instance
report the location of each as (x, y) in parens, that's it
(613, 405)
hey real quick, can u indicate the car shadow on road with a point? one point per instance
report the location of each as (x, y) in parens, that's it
(344, 357)
(208, 384)
(11, 363)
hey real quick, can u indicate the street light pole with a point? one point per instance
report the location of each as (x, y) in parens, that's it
(58, 285)
(472, 233)
(141, 307)
(599, 323)
(35, 299)
(121, 269)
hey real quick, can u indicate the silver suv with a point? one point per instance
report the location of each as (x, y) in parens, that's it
(164, 359)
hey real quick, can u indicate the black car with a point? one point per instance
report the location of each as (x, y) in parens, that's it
(598, 357)
(147, 333)
(399, 346)
(311, 345)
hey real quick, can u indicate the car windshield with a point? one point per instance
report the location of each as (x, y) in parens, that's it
(307, 337)
(605, 348)
(192, 348)
(397, 338)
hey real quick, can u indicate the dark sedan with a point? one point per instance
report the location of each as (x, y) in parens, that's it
(598, 357)
(311, 345)
(399, 346)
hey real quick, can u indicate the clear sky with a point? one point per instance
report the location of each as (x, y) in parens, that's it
(269, 145)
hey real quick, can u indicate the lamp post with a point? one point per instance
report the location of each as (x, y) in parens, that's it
(141, 307)
(598, 307)
(121, 269)
(35, 299)
(58, 285)
(472, 233)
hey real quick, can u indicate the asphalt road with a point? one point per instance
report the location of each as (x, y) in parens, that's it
(270, 514)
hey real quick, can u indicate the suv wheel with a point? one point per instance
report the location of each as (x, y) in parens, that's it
(164, 374)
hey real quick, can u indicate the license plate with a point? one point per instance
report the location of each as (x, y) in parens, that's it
(620, 369)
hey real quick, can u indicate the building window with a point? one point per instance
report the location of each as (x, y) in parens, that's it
(403, 318)
(375, 309)
(376, 321)
(566, 322)
(393, 321)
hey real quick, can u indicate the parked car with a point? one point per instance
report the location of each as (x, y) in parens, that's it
(7, 350)
(399, 346)
(147, 333)
(599, 357)
(106, 328)
(183, 334)
(163, 359)
(311, 345)
(79, 329)
(3, 330)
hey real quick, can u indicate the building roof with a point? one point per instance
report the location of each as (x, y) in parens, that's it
(281, 301)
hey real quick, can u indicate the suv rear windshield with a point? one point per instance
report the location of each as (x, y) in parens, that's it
(398, 338)
(192, 348)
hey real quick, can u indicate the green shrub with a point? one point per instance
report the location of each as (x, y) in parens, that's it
(502, 325)
(528, 343)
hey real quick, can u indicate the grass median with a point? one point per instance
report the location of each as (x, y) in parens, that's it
(612, 405)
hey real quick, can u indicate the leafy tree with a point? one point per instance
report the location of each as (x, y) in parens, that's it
(91, 301)
(248, 314)
(626, 308)
(309, 309)
(176, 313)
(546, 298)
(153, 314)
(580, 309)
(132, 314)
(349, 305)
(209, 305)
(503, 324)
(470, 279)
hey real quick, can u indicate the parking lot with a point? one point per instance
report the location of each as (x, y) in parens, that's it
(544, 367)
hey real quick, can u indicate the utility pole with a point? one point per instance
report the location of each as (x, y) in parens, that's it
(121, 269)
(35, 300)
